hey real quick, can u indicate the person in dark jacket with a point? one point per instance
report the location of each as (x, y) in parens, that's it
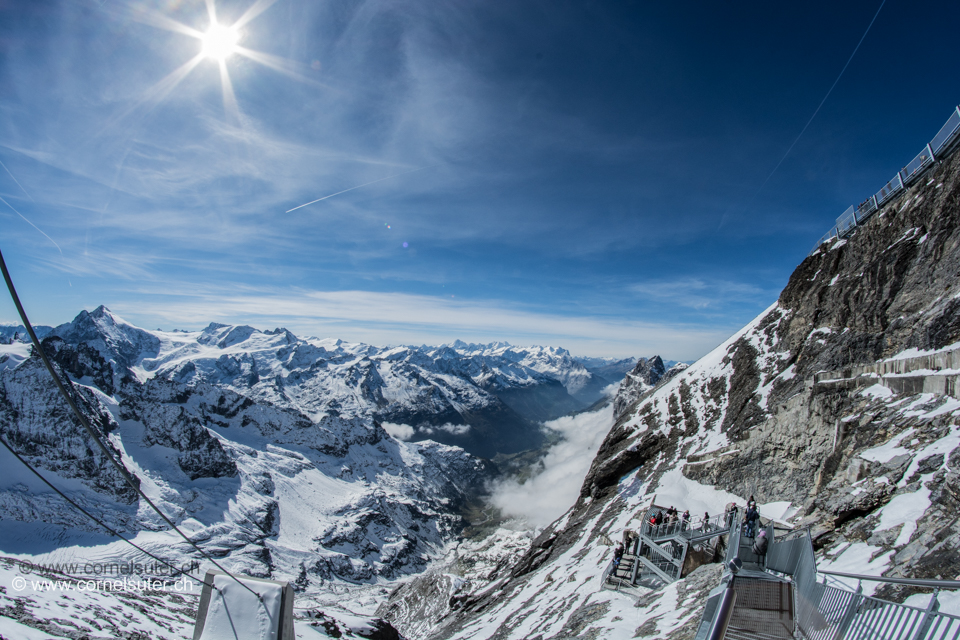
(617, 555)
(751, 517)
(731, 514)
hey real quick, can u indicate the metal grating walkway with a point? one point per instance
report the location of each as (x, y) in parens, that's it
(763, 610)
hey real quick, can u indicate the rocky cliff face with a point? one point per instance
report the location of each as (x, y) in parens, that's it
(641, 380)
(873, 472)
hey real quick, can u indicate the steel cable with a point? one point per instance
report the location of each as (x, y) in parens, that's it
(90, 431)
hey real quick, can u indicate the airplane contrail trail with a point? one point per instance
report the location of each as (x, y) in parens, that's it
(33, 225)
(357, 187)
(15, 180)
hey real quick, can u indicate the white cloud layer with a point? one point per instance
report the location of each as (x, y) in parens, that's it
(549, 493)
(397, 318)
(398, 431)
(406, 432)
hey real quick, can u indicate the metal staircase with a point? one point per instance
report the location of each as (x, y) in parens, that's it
(657, 553)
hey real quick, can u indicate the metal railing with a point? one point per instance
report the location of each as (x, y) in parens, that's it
(846, 222)
(944, 143)
(889, 190)
(711, 623)
(947, 133)
(695, 528)
(866, 209)
(913, 582)
(825, 612)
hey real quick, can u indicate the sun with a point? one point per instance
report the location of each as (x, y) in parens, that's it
(220, 41)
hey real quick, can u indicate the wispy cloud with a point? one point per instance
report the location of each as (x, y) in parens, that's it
(395, 318)
(701, 293)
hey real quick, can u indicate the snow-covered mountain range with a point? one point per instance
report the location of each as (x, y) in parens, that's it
(312, 460)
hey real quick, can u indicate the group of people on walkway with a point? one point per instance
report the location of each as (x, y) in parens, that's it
(751, 524)
(672, 520)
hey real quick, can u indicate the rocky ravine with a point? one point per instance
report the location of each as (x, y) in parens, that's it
(875, 474)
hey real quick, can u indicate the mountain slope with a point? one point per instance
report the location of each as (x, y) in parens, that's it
(876, 473)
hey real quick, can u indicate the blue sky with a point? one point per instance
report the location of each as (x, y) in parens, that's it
(589, 175)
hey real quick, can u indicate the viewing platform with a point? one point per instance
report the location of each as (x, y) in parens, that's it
(659, 554)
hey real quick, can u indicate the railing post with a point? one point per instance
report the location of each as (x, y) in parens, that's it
(724, 612)
(928, 617)
(903, 183)
(851, 611)
(933, 158)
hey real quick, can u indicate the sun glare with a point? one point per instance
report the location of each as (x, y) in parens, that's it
(220, 42)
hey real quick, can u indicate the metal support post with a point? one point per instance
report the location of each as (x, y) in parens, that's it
(932, 609)
(930, 151)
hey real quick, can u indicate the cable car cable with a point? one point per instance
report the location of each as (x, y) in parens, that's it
(93, 434)
(95, 519)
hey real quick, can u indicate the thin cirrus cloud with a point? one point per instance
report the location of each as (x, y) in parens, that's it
(700, 293)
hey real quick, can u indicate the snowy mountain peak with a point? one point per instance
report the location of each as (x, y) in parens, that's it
(118, 341)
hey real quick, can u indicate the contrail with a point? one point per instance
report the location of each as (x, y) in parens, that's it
(33, 225)
(358, 186)
(15, 180)
(832, 87)
(723, 218)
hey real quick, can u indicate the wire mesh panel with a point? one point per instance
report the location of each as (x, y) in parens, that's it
(916, 166)
(829, 613)
(829, 234)
(846, 222)
(784, 555)
(866, 209)
(890, 189)
(764, 609)
(948, 132)
(824, 612)
(876, 619)
(943, 627)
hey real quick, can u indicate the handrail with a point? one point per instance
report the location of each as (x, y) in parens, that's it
(942, 145)
(933, 584)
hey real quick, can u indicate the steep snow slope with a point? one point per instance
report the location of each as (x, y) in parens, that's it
(875, 473)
